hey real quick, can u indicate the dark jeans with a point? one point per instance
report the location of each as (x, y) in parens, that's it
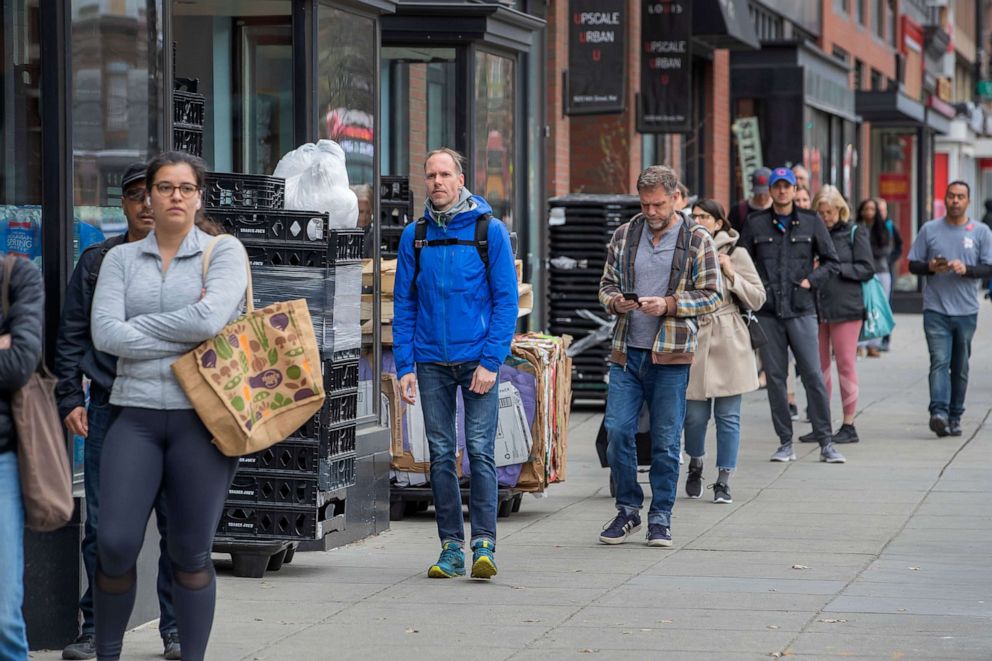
(100, 414)
(949, 341)
(663, 388)
(438, 396)
(800, 334)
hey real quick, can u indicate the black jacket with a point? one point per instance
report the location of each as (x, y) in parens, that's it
(785, 260)
(75, 355)
(24, 323)
(881, 244)
(839, 298)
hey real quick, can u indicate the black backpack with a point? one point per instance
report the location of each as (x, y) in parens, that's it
(481, 242)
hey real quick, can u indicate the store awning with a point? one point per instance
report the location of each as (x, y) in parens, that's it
(724, 24)
(459, 22)
(890, 107)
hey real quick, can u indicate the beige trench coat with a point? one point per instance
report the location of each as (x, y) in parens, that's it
(724, 363)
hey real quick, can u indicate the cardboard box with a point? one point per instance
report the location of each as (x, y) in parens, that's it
(387, 276)
(398, 410)
(519, 264)
(385, 308)
(525, 296)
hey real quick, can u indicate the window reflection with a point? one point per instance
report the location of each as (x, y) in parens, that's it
(494, 105)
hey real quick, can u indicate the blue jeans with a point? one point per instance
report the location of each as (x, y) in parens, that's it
(727, 411)
(100, 413)
(663, 388)
(949, 341)
(13, 634)
(438, 394)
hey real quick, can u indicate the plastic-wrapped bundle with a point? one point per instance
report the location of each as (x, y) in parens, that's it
(346, 334)
(317, 178)
(286, 283)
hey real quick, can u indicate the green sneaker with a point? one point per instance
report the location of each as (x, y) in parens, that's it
(450, 564)
(483, 559)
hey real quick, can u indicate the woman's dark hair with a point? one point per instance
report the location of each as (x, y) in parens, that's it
(861, 210)
(199, 168)
(715, 209)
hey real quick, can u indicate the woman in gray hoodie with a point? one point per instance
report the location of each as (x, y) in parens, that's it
(152, 305)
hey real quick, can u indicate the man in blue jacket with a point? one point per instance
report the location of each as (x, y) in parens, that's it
(455, 310)
(76, 358)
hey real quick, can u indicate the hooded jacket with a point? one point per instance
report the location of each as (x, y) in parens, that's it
(784, 260)
(456, 311)
(24, 323)
(693, 289)
(840, 298)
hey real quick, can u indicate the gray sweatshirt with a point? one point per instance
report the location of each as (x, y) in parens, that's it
(149, 318)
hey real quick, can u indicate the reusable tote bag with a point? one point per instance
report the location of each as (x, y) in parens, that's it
(42, 460)
(878, 320)
(259, 379)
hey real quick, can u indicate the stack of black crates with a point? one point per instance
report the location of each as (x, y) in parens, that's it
(294, 491)
(580, 227)
(188, 109)
(395, 213)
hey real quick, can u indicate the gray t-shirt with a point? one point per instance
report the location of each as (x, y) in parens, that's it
(652, 271)
(949, 293)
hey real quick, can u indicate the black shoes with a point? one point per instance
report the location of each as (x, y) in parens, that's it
(954, 428)
(721, 493)
(939, 425)
(846, 434)
(694, 482)
(809, 438)
(84, 647)
(172, 648)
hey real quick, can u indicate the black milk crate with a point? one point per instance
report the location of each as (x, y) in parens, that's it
(339, 473)
(188, 108)
(250, 191)
(188, 139)
(338, 440)
(341, 407)
(296, 455)
(346, 245)
(271, 522)
(261, 254)
(340, 376)
(345, 354)
(396, 214)
(309, 228)
(390, 239)
(274, 489)
(394, 189)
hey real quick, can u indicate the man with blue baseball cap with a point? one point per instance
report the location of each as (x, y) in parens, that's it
(785, 242)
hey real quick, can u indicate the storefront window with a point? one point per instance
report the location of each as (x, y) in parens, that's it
(20, 140)
(346, 91)
(893, 177)
(241, 55)
(117, 93)
(493, 160)
(419, 100)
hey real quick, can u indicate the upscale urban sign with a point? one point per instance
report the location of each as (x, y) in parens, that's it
(595, 81)
(665, 101)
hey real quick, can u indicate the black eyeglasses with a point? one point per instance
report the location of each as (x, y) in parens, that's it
(166, 189)
(135, 194)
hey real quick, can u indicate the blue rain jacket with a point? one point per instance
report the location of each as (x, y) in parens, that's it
(456, 313)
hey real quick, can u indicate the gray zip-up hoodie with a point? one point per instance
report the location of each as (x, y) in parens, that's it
(149, 318)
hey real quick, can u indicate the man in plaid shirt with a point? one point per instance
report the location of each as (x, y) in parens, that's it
(662, 271)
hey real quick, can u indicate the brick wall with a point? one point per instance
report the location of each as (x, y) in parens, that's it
(417, 122)
(719, 168)
(557, 143)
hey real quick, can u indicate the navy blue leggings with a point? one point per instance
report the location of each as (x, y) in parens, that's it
(147, 450)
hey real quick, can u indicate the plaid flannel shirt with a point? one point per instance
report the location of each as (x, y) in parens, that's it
(693, 291)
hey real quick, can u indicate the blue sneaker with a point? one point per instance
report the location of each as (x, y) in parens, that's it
(483, 559)
(659, 535)
(622, 527)
(450, 564)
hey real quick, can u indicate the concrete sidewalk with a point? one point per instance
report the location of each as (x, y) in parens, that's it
(886, 557)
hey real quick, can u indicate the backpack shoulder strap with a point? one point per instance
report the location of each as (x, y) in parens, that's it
(742, 211)
(482, 238)
(419, 239)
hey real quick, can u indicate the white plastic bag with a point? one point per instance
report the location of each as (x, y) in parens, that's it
(317, 180)
(295, 161)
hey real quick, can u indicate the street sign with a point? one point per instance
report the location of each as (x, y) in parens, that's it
(985, 89)
(748, 147)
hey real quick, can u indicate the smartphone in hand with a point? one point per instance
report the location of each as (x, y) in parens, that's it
(631, 296)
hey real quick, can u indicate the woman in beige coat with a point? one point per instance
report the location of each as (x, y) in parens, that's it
(724, 366)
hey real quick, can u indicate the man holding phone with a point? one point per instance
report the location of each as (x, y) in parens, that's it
(953, 255)
(661, 272)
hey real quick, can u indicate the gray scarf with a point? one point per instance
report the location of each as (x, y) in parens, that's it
(442, 218)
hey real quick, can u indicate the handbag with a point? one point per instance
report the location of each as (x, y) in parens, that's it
(259, 379)
(42, 459)
(754, 329)
(878, 319)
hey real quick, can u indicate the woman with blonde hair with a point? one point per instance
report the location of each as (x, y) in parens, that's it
(841, 306)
